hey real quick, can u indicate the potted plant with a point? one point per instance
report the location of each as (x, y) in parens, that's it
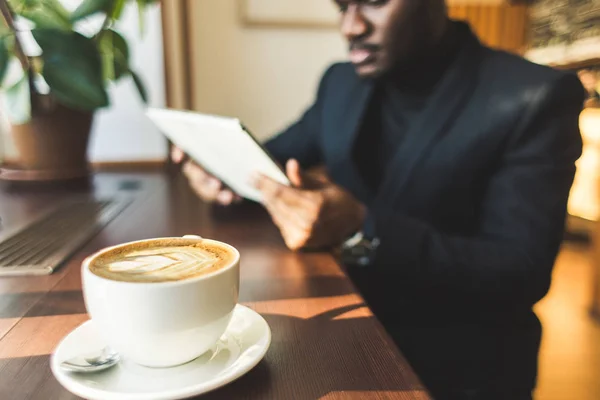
(50, 97)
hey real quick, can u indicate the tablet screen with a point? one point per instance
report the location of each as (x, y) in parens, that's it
(220, 145)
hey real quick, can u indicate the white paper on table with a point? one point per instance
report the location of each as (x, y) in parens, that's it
(221, 145)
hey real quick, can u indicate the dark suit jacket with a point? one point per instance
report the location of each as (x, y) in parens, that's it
(470, 214)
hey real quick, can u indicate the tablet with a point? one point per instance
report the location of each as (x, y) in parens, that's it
(221, 145)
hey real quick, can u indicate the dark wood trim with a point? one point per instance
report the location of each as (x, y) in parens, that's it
(178, 74)
(167, 41)
(576, 65)
(167, 64)
(10, 162)
(188, 51)
(140, 165)
(120, 166)
(595, 313)
(595, 308)
(177, 43)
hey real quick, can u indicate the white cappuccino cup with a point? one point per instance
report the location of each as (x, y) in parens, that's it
(162, 302)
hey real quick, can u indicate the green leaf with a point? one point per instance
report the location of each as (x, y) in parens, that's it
(140, 86)
(118, 9)
(115, 55)
(4, 58)
(73, 44)
(4, 30)
(42, 18)
(141, 9)
(43, 13)
(73, 84)
(17, 101)
(142, 5)
(90, 7)
(56, 7)
(72, 68)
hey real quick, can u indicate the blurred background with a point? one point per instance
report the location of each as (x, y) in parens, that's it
(261, 61)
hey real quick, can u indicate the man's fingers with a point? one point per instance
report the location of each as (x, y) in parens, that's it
(295, 204)
(203, 191)
(177, 155)
(204, 184)
(289, 215)
(275, 191)
(225, 197)
(268, 187)
(191, 170)
(275, 215)
(294, 173)
(212, 183)
(195, 172)
(295, 211)
(293, 237)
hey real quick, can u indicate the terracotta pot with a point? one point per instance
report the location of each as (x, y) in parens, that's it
(55, 141)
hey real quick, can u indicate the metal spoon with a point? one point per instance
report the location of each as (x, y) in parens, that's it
(93, 362)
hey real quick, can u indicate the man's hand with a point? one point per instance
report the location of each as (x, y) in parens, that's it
(314, 212)
(206, 186)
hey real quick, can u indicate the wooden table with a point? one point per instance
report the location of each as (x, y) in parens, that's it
(326, 343)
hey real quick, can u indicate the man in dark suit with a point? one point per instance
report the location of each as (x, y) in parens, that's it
(448, 165)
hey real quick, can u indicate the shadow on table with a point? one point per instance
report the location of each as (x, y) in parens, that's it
(310, 358)
(69, 302)
(30, 378)
(284, 288)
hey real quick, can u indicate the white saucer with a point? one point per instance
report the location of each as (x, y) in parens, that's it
(241, 348)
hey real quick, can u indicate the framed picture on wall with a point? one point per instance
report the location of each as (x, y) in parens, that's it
(565, 33)
(289, 13)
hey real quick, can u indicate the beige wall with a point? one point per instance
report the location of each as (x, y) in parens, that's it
(264, 76)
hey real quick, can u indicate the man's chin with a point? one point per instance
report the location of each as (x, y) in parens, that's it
(368, 71)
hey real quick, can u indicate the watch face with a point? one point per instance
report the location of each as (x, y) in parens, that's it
(360, 253)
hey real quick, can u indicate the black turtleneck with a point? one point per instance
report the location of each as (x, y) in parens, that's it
(397, 100)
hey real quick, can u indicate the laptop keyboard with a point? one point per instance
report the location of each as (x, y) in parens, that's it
(46, 243)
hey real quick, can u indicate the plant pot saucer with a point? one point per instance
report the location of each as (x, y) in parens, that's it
(16, 174)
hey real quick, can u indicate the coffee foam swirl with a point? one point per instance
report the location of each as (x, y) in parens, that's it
(161, 263)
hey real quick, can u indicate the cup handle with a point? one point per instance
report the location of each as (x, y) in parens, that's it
(192, 237)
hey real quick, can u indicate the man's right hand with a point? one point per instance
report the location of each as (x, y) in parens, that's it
(206, 186)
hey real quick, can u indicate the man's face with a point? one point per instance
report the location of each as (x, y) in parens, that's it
(386, 34)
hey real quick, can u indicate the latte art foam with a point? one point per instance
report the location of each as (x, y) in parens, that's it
(161, 262)
(167, 263)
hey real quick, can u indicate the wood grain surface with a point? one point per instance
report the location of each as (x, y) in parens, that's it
(326, 343)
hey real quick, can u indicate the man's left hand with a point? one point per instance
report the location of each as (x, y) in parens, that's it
(313, 212)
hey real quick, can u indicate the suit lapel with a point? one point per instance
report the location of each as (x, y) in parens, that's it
(354, 114)
(356, 110)
(445, 104)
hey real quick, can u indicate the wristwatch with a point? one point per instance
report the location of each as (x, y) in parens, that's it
(359, 250)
